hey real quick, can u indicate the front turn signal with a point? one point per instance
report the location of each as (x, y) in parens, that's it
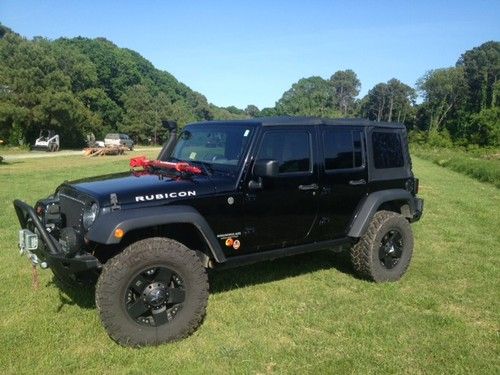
(119, 233)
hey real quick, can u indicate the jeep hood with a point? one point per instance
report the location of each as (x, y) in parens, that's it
(144, 188)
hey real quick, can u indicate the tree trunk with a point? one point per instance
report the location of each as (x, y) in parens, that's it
(381, 110)
(493, 93)
(391, 104)
(484, 91)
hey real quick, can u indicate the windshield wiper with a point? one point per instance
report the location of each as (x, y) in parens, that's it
(206, 166)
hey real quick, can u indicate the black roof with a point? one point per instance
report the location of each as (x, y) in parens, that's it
(293, 120)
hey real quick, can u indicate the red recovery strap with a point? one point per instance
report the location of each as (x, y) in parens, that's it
(142, 161)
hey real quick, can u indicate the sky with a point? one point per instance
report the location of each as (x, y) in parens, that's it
(251, 52)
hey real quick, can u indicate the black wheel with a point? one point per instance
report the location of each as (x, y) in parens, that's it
(155, 291)
(385, 250)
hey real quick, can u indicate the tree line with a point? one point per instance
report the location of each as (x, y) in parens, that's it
(459, 104)
(80, 85)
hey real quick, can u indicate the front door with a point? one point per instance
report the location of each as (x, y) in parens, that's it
(282, 211)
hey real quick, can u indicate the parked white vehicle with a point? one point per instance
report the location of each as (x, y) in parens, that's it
(48, 140)
(116, 139)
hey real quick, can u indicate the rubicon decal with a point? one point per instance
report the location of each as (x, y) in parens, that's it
(156, 197)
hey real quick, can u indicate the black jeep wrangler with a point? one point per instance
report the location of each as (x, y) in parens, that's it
(223, 194)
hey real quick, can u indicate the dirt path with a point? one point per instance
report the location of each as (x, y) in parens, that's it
(44, 154)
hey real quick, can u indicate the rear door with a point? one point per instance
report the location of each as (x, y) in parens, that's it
(344, 178)
(282, 212)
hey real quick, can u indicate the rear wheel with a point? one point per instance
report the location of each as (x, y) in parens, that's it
(385, 250)
(155, 291)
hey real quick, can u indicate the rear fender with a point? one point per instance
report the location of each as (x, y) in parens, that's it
(370, 205)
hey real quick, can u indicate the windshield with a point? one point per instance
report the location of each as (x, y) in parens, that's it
(220, 147)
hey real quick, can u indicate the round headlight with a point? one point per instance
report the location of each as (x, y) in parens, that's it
(89, 215)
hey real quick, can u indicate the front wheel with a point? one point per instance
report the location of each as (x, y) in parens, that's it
(155, 291)
(385, 250)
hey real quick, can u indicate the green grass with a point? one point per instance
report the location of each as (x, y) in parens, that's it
(483, 167)
(306, 314)
(8, 150)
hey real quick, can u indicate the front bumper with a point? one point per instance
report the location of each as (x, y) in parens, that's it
(43, 249)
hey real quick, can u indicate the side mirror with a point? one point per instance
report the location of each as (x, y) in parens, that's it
(266, 168)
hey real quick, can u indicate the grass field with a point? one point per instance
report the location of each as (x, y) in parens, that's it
(306, 314)
(481, 164)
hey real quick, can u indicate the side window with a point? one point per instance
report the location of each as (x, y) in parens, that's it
(387, 150)
(342, 149)
(292, 150)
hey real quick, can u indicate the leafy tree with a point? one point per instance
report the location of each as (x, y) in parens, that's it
(391, 101)
(346, 85)
(223, 114)
(481, 66)
(252, 110)
(268, 112)
(401, 99)
(484, 127)
(234, 110)
(108, 112)
(375, 102)
(144, 112)
(308, 97)
(444, 91)
(84, 85)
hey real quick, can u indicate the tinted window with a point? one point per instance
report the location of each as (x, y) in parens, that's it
(291, 149)
(387, 150)
(342, 149)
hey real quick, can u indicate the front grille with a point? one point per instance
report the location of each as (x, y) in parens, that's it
(72, 207)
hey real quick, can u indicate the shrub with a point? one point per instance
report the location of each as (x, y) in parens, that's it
(481, 164)
(484, 127)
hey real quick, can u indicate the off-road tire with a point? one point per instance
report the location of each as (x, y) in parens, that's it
(118, 272)
(365, 253)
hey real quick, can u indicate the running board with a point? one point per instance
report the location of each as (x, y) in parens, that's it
(241, 260)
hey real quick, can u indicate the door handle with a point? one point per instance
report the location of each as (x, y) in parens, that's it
(357, 182)
(308, 187)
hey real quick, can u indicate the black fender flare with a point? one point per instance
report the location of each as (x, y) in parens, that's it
(103, 229)
(370, 204)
